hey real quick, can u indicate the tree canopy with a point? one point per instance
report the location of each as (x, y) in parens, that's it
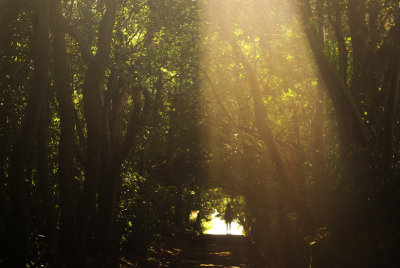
(118, 118)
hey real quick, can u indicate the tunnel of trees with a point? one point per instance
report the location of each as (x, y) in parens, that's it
(119, 117)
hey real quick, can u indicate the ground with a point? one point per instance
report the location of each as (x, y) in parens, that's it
(189, 250)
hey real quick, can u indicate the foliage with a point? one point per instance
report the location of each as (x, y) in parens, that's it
(117, 118)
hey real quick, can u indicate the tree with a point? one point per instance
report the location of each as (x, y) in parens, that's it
(23, 145)
(364, 98)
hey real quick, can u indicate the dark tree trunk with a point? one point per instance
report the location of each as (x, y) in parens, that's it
(23, 145)
(93, 110)
(356, 15)
(319, 162)
(342, 50)
(352, 127)
(67, 242)
(45, 187)
(366, 113)
(110, 187)
(386, 143)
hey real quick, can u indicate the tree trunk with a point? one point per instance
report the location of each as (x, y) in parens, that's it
(111, 181)
(45, 187)
(23, 145)
(356, 14)
(352, 127)
(392, 87)
(342, 50)
(67, 242)
(319, 162)
(93, 107)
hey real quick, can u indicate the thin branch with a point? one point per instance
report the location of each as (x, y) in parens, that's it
(214, 91)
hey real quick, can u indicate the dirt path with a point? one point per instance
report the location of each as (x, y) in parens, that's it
(208, 251)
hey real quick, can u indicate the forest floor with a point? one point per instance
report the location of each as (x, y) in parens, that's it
(188, 250)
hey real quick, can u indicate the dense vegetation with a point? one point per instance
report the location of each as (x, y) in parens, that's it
(120, 117)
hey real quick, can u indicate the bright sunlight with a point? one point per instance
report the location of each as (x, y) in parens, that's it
(218, 226)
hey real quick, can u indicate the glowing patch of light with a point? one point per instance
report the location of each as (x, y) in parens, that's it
(218, 226)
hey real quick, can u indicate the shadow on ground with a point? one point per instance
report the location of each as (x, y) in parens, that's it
(188, 250)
